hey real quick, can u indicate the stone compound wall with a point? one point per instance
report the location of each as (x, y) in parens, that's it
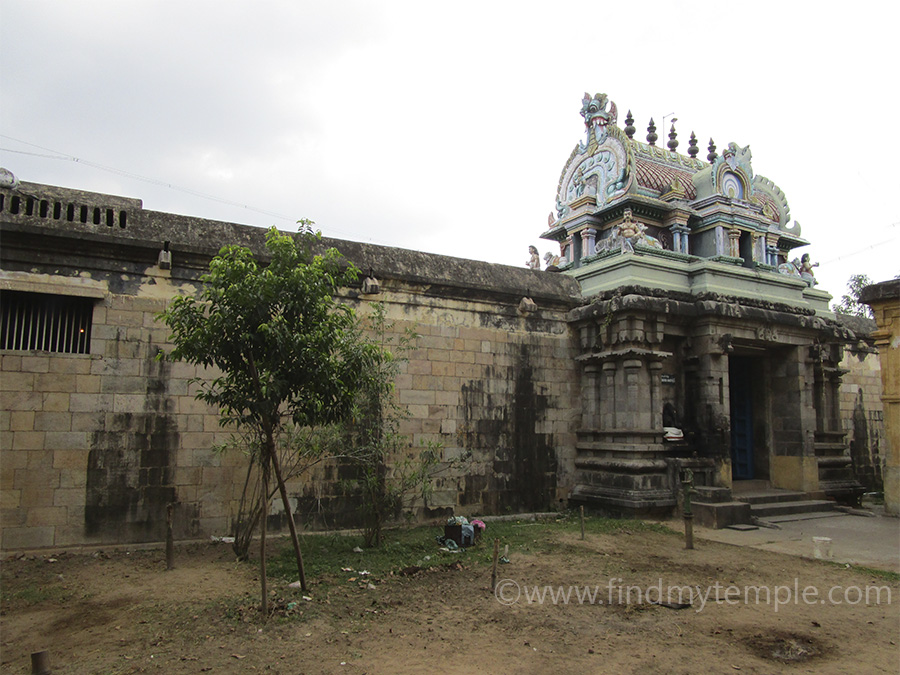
(496, 392)
(862, 415)
(94, 446)
(861, 405)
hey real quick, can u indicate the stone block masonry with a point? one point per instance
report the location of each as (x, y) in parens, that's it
(95, 445)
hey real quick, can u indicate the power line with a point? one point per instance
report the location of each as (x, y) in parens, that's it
(862, 250)
(153, 181)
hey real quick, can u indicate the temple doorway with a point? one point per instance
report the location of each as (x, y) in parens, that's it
(740, 379)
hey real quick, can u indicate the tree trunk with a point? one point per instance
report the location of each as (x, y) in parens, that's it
(264, 509)
(273, 454)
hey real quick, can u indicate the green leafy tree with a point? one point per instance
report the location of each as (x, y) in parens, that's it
(850, 303)
(286, 350)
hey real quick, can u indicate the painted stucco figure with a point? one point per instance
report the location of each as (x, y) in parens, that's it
(806, 270)
(628, 233)
(534, 261)
(552, 261)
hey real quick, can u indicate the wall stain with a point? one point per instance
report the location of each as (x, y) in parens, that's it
(864, 450)
(130, 473)
(500, 421)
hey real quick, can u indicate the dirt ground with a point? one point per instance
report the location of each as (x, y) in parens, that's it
(124, 613)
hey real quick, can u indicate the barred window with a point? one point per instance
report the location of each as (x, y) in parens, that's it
(52, 323)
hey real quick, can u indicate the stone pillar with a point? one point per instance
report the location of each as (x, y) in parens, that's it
(608, 397)
(884, 299)
(680, 238)
(570, 248)
(712, 404)
(590, 397)
(772, 249)
(656, 404)
(794, 464)
(721, 241)
(588, 236)
(734, 243)
(631, 408)
(758, 248)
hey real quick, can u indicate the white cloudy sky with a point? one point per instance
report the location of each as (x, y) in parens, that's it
(444, 126)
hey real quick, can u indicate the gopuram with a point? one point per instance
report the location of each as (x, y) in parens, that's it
(703, 343)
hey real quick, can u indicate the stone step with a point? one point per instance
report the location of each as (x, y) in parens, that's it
(793, 517)
(741, 486)
(712, 495)
(769, 496)
(767, 510)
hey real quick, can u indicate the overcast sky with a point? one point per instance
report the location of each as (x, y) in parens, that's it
(444, 127)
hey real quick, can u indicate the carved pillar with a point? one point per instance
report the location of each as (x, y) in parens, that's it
(721, 241)
(630, 411)
(587, 241)
(734, 243)
(680, 238)
(772, 249)
(608, 396)
(656, 404)
(570, 248)
(758, 248)
(590, 396)
(622, 464)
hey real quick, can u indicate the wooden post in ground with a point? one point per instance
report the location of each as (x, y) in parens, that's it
(687, 484)
(170, 539)
(40, 663)
(582, 523)
(494, 567)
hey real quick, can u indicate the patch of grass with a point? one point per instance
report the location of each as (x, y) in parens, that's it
(32, 594)
(325, 555)
(887, 575)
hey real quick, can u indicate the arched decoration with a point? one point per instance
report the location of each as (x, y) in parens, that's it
(732, 185)
(775, 206)
(598, 167)
(732, 172)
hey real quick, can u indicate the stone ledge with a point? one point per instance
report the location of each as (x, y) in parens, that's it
(721, 514)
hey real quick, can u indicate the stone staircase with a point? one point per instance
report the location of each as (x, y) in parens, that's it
(774, 505)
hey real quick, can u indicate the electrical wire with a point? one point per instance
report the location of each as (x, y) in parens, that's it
(153, 181)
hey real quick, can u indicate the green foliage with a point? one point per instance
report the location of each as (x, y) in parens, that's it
(285, 348)
(850, 303)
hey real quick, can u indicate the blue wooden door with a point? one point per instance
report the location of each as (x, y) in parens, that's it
(739, 375)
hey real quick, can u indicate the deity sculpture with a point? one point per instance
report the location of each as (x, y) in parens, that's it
(628, 233)
(534, 262)
(806, 270)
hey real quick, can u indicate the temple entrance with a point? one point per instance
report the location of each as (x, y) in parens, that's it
(741, 391)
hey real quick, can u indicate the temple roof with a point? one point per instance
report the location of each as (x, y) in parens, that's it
(611, 169)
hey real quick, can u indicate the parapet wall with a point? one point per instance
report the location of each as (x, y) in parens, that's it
(95, 445)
